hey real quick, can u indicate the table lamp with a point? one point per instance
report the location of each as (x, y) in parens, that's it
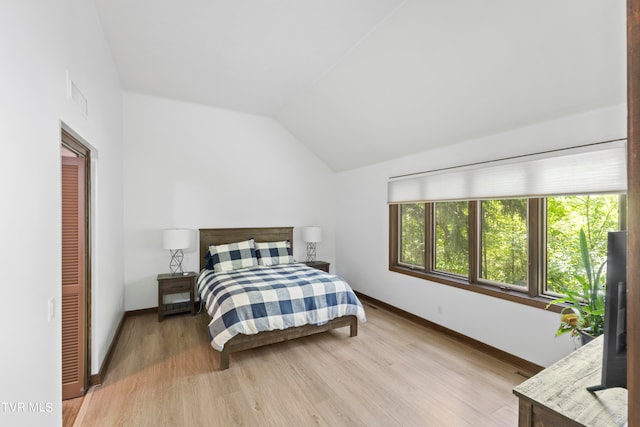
(175, 240)
(311, 235)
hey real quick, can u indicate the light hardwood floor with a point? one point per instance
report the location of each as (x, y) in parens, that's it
(70, 409)
(394, 373)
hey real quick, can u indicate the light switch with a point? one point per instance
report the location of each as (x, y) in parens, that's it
(52, 309)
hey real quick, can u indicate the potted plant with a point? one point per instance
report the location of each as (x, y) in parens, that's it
(583, 312)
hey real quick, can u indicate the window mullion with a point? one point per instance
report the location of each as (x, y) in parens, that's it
(474, 241)
(622, 212)
(429, 238)
(394, 234)
(536, 251)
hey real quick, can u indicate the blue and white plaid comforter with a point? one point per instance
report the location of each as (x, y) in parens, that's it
(262, 298)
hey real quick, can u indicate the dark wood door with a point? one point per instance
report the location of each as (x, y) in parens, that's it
(73, 277)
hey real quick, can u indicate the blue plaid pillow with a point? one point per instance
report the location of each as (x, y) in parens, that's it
(274, 253)
(233, 256)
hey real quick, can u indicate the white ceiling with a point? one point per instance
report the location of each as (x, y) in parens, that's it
(363, 81)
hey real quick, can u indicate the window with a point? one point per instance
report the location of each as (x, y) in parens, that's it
(566, 216)
(412, 230)
(510, 227)
(503, 241)
(527, 248)
(451, 254)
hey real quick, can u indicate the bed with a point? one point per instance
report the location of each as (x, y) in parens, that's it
(265, 281)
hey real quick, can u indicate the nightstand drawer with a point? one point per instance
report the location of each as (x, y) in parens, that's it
(179, 285)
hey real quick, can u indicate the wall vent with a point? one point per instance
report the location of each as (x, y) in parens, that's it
(74, 94)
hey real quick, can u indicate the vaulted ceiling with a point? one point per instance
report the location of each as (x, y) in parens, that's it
(363, 81)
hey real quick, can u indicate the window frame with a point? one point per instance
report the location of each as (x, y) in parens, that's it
(433, 253)
(535, 294)
(478, 259)
(405, 264)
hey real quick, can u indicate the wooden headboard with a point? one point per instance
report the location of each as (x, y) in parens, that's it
(221, 236)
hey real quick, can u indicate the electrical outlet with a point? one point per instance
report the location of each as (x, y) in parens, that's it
(440, 310)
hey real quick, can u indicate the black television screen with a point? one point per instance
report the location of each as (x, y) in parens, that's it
(614, 354)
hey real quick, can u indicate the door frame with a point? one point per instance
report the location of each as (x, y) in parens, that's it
(74, 144)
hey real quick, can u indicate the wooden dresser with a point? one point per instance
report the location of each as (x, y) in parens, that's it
(557, 396)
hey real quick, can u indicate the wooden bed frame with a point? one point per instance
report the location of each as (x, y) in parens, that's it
(220, 236)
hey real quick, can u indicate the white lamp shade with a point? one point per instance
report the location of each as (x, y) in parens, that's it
(176, 238)
(311, 234)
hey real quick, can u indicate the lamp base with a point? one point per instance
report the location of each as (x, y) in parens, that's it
(311, 251)
(175, 265)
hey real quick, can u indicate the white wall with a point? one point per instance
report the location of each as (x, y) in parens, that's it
(39, 42)
(362, 242)
(192, 166)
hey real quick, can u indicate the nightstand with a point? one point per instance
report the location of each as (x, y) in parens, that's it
(320, 265)
(175, 284)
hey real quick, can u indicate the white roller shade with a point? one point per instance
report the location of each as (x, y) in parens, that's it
(591, 169)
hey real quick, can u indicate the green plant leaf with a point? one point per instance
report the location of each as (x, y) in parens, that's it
(586, 259)
(588, 302)
(561, 331)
